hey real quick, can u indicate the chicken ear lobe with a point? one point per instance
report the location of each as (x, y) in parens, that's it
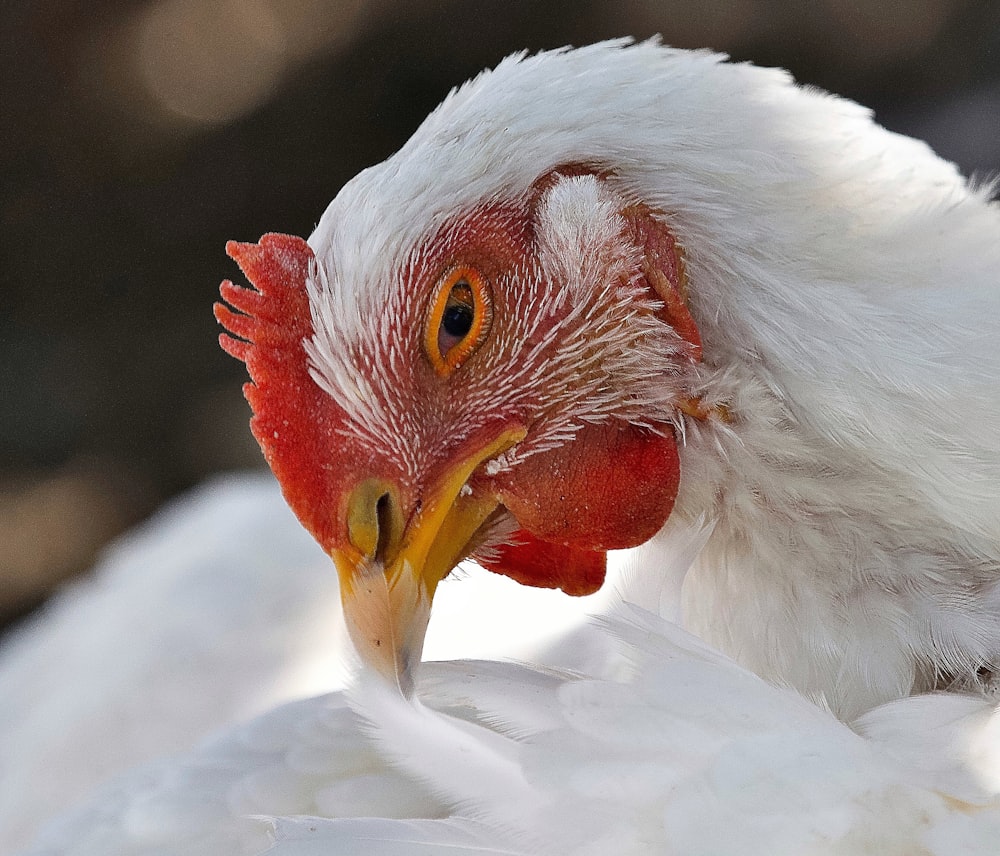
(662, 258)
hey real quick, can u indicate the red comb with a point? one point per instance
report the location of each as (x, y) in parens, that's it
(276, 315)
(294, 421)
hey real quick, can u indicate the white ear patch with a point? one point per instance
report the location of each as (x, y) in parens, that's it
(581, 241)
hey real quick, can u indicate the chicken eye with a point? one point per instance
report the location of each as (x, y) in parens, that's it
(459, 319)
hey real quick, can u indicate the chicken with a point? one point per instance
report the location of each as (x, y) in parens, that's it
(605, 294)
(626, 297)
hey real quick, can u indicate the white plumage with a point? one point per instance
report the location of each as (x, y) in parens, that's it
(189, 624)
(838, 536)
(668, 747)
(219, 608)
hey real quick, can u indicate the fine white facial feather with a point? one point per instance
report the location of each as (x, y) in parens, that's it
(583, 331)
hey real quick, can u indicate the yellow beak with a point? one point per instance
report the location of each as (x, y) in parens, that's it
(390, 570)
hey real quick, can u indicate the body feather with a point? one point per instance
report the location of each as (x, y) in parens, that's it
(676, 749)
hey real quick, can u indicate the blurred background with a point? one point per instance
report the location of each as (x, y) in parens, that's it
(137, 136)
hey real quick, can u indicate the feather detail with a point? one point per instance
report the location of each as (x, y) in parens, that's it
(314, 836)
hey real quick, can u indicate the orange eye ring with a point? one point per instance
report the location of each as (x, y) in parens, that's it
(459, 319)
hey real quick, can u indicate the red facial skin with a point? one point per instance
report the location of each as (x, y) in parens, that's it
(612, 487)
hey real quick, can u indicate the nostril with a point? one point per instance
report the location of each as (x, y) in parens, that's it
(375, 520)
(384, 521)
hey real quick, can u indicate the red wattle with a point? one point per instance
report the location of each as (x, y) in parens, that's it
(613, 487)
(543, 564)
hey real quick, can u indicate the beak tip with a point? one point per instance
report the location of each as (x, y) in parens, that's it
(391, 558)
(386, 619)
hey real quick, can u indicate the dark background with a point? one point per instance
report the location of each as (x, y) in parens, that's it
(137, 136)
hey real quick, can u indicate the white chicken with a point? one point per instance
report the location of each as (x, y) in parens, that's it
(602, 288)
(629, 297)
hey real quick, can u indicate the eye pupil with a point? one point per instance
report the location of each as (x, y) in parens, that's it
(457, 320)
(459, 311)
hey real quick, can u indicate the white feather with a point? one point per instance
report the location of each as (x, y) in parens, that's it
(214, 612)
(681, 752)
(219, 608)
